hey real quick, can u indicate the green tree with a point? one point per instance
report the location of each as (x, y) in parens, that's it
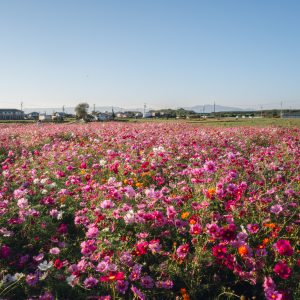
(81, 110)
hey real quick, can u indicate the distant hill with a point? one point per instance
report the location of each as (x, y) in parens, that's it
(208, 108)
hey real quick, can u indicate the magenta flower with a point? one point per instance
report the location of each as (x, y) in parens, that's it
(46, 296)
(228, 233)
(195, 229)
(4, 252)
(210, 166)
(273, 295)
(136, 272)
(167, 284)
(219, 251)
(122, 286)
(282, 270)
(284, 247)
(147, 282)
(137, 293)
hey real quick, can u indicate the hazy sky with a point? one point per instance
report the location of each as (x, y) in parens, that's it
(162, 52)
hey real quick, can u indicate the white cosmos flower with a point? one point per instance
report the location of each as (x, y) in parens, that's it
(71, 280)
(44, 266)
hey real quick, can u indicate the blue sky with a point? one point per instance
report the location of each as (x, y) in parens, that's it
(167, 53)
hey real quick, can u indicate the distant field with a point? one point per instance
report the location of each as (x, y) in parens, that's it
(248, 122)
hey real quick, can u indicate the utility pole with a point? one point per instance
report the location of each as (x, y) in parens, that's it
(145, 106)
(21, 106)
(94, 108)
(261, 113)
(203, 109)
(281, 109)
(214, 109)
(63, 108)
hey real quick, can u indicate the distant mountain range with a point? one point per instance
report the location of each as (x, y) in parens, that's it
(207, 108)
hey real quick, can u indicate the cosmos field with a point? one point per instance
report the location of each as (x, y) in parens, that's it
(149, 211)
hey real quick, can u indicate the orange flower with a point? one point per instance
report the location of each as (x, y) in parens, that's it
(270, 225)
(266, 241)
(242, 250)
(184, 215)
(184, 294)
(211, 192)
(63, 199)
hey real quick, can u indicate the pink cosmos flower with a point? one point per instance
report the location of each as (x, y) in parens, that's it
(54, 251)
(155, 246)
(23, 203)
(195, 229)
(253, 228)
(102, 266)
(171, 212)
(92, 232)
(88, 247)
(276, 209)
(90, 282)
(136, 272)
(105, 204)
(182, 250)
(210, 166)
(32, 279)
(46, 296)
(273, 295)
(269, 283)
(39, 257)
